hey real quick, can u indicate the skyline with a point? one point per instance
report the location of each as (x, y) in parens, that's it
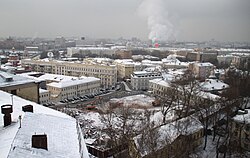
(226, 20)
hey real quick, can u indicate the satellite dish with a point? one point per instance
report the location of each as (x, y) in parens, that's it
(50, 55)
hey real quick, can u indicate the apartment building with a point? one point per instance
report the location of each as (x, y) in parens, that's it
(106, 72)
(201, 70)
(73, 88)
(140, 79)
(93, 50)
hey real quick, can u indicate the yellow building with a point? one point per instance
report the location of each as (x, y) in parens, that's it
(107, 73)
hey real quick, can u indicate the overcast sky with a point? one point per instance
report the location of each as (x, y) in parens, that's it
(192, 20)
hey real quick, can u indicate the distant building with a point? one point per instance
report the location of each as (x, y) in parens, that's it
(205, 56)
(158, 87)
(106, 72)
(90, 50)
(125, 68)
(201, 70)
(140, 79)
(241, 61)
(225, 59)
(123, 54)
(172, 62)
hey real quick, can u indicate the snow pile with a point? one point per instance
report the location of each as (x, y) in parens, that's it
(134, 101)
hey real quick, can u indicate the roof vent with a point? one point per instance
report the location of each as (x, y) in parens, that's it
(7, 110)
(27, 108)
(40, 141)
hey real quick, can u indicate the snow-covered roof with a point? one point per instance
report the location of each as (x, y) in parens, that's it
(73, 82)
(160, 82)
(166, 134)
(204, 64)
(61, 135)
(9, 135)
(56, 78)
(144, 72)
(17, 80)
(213, 85)
(244, 117)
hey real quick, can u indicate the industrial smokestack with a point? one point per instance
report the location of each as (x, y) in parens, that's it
(7, 110)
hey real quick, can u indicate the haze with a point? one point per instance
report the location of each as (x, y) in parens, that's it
(192, 20)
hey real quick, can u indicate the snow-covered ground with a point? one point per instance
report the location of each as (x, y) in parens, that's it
(134, 101)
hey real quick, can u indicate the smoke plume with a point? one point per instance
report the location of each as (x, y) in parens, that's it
(159, 23)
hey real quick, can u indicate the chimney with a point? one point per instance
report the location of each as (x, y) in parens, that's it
(7, 110)
(39, 141)
(27, 108)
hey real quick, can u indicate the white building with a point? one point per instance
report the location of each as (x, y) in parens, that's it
(93, 50)
(44, 96)
(73, 88)
(171, 62)
(140, 79)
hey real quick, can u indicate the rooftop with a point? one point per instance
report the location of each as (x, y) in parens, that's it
(16, 79)
(166, 134)
(213, 85)
(73, 82)
(15, 142)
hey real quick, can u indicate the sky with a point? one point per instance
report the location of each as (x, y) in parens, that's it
(181, 20)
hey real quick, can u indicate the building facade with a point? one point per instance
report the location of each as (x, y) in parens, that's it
(73, 88)
(105, 72)
(44, 96)
(201, 70)
(140, 79)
